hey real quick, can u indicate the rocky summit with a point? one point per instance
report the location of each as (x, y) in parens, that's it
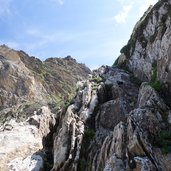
(57, 115)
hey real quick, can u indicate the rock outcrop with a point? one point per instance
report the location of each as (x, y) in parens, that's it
(147, 53)
(129, 127)
(123, 130)
(118, 120)
(32, 94)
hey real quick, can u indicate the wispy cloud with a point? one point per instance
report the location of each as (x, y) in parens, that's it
(5, 7)
(123, 14)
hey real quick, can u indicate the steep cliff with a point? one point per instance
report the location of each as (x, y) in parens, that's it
(148, 51)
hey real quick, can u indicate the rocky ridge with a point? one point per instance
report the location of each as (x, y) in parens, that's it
(32, 94)
(129, 128)
(112, 125)
(119, 119)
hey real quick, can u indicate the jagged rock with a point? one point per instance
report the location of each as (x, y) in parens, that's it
(25, 80)
(148, 97)
(31, 163)
(115, 164)
(149, 46)
(110, 114)
(23, 140)
(67, 143)
(112, 124)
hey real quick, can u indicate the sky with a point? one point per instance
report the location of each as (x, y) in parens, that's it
(91, 31)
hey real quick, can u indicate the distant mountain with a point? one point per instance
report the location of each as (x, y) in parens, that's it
(25, 80)
(29, 91)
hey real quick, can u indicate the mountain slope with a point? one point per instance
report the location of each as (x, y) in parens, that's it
(121, 120)
(32, 94)
(26, 80)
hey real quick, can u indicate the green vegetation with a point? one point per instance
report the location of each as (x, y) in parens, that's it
(126, 49)
(67, 103)
(156, 85)
(164, 141)
(154, 82)
(82, 165)
(88, 136)
(135, 80)
(123, 66)
(96, 79)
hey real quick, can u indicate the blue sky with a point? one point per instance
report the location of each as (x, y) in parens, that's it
(91, 31)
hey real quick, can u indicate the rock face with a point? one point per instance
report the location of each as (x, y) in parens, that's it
(26, 81)
(128, 128)
(124, 130)
(119, 119)
(32, 93)
(148, 50)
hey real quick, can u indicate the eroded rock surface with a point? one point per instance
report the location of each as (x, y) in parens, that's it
(121, 133)
(119, 119)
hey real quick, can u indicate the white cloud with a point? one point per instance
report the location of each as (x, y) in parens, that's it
(5, 7)
(146, 4)
(122, 16)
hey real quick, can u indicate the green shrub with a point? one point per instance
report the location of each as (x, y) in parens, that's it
(96, 79)
(154, 82)
(125, 50)
(156, 85)
(164, 141)
(89, 134)
(123, 66)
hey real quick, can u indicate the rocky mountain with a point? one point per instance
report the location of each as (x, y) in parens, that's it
(32, 93)
(118, 120)
(121, 120)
